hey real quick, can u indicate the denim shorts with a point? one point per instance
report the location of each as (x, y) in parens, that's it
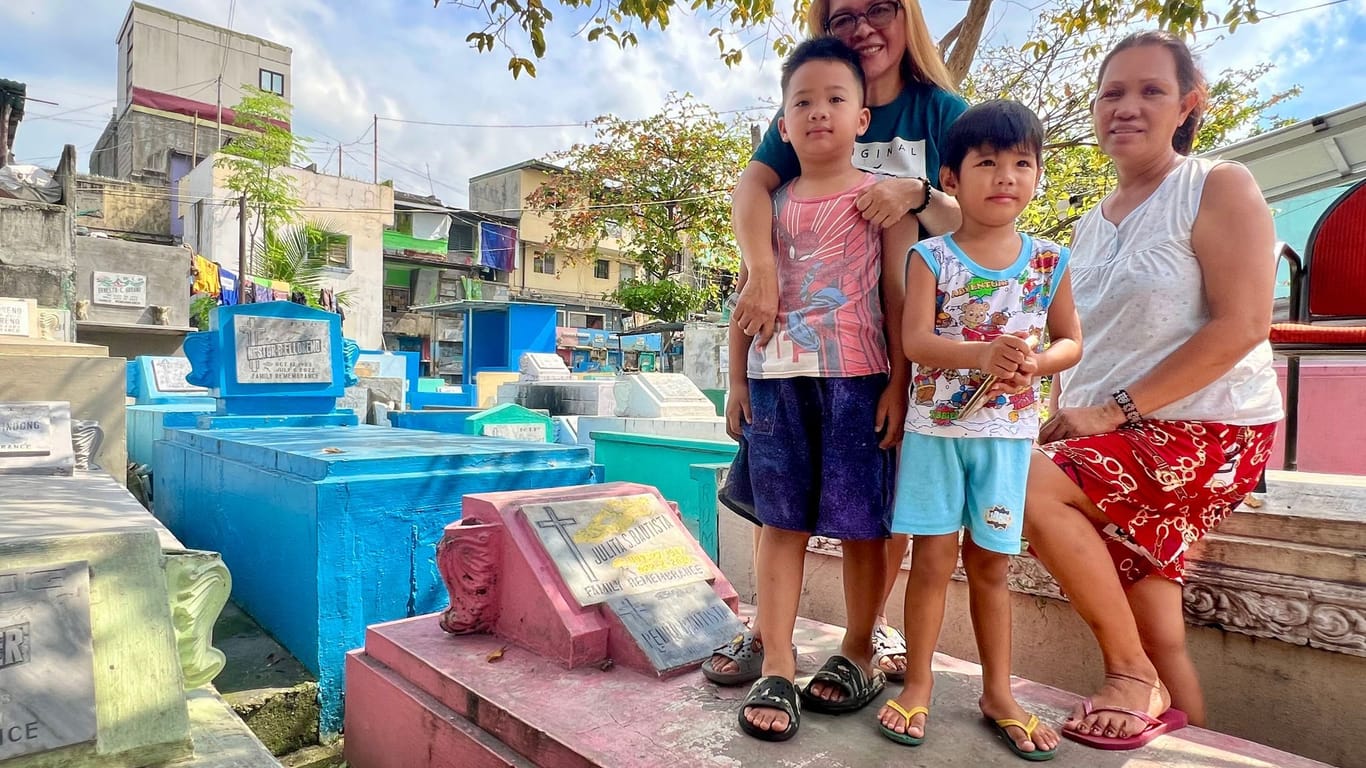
(810, 460)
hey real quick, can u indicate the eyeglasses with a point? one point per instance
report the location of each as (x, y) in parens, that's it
(879, 16)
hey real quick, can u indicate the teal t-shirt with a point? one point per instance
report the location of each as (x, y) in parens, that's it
(903, 138)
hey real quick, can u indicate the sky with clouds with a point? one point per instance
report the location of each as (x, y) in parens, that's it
(405, 59)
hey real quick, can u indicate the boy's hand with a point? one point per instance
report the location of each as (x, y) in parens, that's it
(737, 410)
(1005, 355)
(891, 415)
(1018, 382)
(756, 310)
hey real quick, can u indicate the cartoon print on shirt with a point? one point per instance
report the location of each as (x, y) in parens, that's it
(979, 323)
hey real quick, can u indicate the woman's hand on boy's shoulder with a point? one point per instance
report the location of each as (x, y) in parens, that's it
(891, 414)
(885, 202)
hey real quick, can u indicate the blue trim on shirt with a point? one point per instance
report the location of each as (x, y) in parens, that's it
(1026, 251)
(1064, 256)
(927, 257)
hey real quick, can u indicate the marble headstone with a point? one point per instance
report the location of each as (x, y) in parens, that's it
(35, 438)
(543, 366)
(47, 673)
(661, 395)
(19, 317)
(632, 553)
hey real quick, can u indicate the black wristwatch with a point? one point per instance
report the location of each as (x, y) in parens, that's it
(929, 195)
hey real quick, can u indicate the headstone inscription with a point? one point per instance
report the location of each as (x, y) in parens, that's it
(581, 574)
(169, 373)
(18, 317)
(119, 290)
(661, 395)
(512, 422)
(272, 359)
(543, 366)
(276, 350)
(47, 672)
(632, 553)
(35, 438)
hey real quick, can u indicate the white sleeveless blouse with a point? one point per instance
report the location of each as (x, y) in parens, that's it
(1140, 295)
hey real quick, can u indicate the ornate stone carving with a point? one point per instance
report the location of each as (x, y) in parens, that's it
(1327, 615)
(1321, 614)
(198, 584)
(469, 558)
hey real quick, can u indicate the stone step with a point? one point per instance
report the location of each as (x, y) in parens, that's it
(1308, 561)
(417, 696)
(1307, 508)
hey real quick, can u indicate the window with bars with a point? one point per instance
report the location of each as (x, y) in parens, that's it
(602, 269)
(338, 253)
(461, 238)
(627, 272)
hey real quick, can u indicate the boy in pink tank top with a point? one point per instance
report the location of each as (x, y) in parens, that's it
(822, 404)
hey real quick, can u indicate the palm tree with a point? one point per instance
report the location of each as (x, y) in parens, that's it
(297, 254)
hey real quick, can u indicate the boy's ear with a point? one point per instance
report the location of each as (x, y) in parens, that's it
(948, 181)
(782, 129)
(864, 118)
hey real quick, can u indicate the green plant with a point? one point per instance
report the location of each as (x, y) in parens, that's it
(255, 160)
(201, 305)
(297, 254)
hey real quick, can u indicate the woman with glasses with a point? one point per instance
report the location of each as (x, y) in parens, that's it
(912, 101)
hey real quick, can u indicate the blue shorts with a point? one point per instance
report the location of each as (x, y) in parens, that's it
(810, 459)
(949, 483)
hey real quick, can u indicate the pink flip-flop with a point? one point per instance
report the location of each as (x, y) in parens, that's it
(1171, 720)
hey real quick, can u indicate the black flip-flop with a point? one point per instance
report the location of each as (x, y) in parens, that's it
(859, 689)
(772, 692)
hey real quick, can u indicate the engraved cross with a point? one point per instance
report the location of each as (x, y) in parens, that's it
(553, 520)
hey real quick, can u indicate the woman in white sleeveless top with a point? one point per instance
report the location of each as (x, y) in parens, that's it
(1167, 422)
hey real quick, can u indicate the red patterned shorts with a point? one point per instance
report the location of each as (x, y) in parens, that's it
(1163, 485)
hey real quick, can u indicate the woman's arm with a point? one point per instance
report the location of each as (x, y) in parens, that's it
(1233, 239)
(886, 202)
(752, 219)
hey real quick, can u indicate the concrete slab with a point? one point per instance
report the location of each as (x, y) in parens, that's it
(417, 696)
(221, 739)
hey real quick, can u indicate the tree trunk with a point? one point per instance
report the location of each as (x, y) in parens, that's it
(968, 38)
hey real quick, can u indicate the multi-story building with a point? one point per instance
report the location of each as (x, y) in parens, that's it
(357, 210)
(579, 285)
(178, 79)
(436, 254)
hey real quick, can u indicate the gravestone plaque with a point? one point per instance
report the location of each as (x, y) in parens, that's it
(16, 317)
(677, 626)
(543, 366)
(47, 668)
(608, 547)
(168, 373)
(674, 387)
(35, 439)
(25, 429)
(276, 350)
(532, 433)
(119, 290)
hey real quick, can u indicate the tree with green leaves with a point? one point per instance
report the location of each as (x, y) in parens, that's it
(255, 158)
(1055, 76)
(658, 190)
(516, 25)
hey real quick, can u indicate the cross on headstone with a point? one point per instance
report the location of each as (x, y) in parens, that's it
(553, 520)
(625, 608)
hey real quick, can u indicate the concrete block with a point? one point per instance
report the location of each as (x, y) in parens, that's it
(543, 366)
(93, 385)
(139, 702)
(655, 395)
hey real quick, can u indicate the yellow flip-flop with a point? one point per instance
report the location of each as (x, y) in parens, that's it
(1038, 755)
(904, 738)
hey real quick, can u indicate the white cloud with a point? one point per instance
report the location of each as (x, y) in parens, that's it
(356, 58)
